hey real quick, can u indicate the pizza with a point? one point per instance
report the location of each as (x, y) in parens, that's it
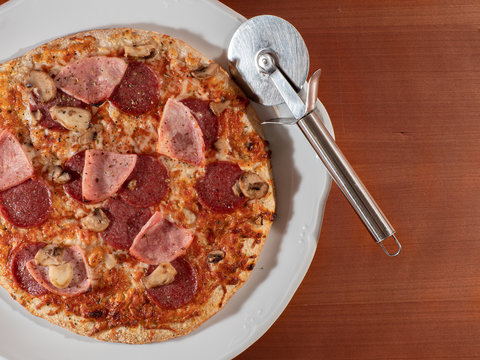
(136, 191)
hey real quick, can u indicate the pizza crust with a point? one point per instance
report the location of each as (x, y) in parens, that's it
(106, 41)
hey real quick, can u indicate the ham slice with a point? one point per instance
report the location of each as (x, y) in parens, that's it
(179, 135)
(81, 280)
(91, 79)
(160, 241)
(104, 173)
(15, 167)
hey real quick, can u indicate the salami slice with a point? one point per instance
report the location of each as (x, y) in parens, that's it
(180, 291)
(80, 282)
(21, 256)
(126, 222)
(26, 205)
(61, 99)
(215, 188)
(147, 184)
(206, 119)
(74, 166)
(138, 92)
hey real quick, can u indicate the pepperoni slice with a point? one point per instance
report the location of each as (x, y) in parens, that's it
(138, 92)
(147, 184)
(61, 99)
(74, 166)
(215, 188)
(26, 205)
(180, 291)
(206, 119)
(22, 255)
(126, 222)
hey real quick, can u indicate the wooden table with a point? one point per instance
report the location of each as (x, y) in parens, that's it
(401, 83)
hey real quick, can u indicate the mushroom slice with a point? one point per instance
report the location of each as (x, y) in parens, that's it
(72, 118)
(218, 108)
(50, 255)
(140, 51)
(222, 146)
(206, 72)
(164, 274)
(132, 185)
(36, 116)
(60, 275)
(110, 261)
(57, 175)
(251, 185)
(96, 221)
(42, 84)
(215, 256)
(91, 134)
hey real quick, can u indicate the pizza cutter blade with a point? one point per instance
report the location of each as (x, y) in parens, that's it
(269, 60)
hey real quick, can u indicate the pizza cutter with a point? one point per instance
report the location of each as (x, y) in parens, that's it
(269, 60)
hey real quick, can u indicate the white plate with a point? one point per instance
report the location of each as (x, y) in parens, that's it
(301, 180)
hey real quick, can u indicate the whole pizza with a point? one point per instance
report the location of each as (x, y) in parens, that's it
(135, 185)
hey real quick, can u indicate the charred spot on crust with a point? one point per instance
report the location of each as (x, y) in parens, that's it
(94, 314)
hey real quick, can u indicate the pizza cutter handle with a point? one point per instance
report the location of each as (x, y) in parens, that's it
(347, 180)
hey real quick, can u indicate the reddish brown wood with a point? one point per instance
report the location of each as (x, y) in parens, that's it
(401, 83)
(402, 86)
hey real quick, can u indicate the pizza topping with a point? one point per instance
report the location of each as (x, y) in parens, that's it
(60, 275)
(21, 256)
(42, 84)
(179, 134)
(36, 116)
(41, 112)
(140, 51)
(126, 222)
(96, 221)
(104, 173)
(164, 274)
(91, 79)
(206, 71)
(15, 167)
(160, 241)
(147, 184)
(71, 118)
(70, 278)
(219, 107)
(214, 189)
(26, 205)
(215, 256)
(181, 291)
(138, 92)
(206, 119)
(251, 185)
(50, 255)
(74, 166)
(110, 261)
(132, 185)
(90, 135)
(57, 175)
(222, 146)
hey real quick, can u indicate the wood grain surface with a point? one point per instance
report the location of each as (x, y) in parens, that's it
(402, 87)
(401, 83)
